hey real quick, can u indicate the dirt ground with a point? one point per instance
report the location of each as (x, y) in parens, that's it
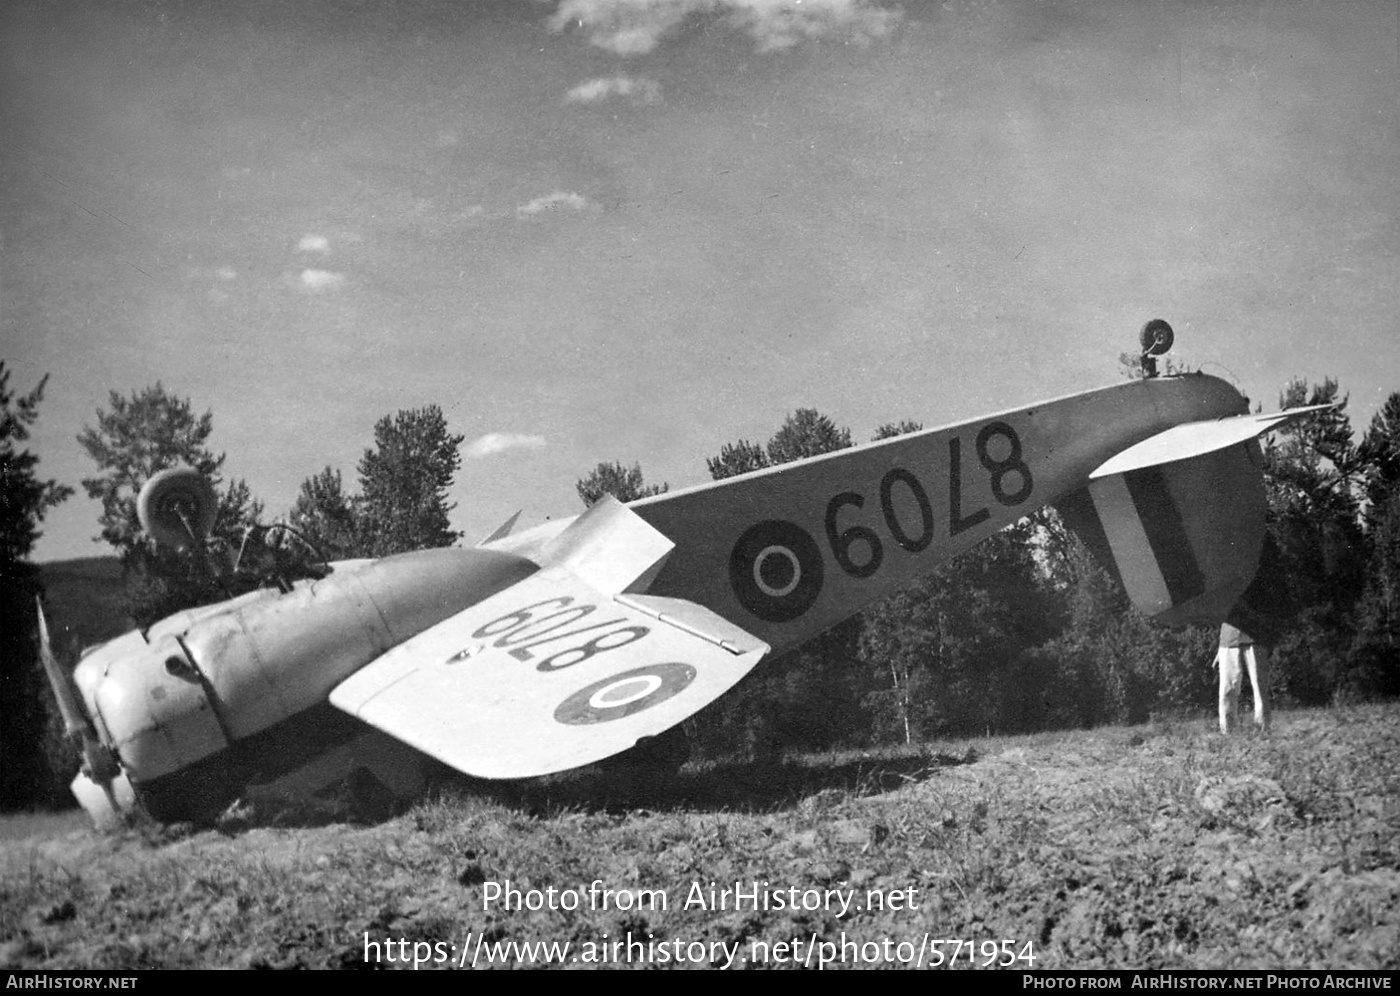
(1160, 846)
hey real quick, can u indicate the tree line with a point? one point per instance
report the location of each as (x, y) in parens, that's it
(1024, 632)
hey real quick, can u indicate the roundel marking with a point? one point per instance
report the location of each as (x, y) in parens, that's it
(776, 570)
(623, 695)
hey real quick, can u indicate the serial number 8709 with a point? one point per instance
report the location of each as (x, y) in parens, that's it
(858, 537)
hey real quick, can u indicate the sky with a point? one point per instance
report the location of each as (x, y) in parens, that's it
(636, 230)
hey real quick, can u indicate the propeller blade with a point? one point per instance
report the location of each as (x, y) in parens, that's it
(75, 721)
(100, 769)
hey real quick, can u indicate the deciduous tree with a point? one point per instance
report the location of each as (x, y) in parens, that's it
(623, 483)
(134, 439)
(954, 640)
(806, 433)
(891, 429)
(737, 458)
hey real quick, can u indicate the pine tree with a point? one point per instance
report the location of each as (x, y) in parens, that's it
(326, 516)
(24, 500)
(1312, 477)
(404, 483)
(1376, 651)
(1379, 457)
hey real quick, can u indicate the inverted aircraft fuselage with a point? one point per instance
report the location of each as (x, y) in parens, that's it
(565, 644)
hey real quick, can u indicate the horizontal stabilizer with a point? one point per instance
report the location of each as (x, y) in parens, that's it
(1181, 442)
(551, 674)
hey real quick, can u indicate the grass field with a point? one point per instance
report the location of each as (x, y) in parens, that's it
(1157, 846)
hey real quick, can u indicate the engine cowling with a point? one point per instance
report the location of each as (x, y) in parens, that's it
(211, 682)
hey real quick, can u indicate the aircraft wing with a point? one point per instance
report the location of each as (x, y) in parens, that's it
(553, 673)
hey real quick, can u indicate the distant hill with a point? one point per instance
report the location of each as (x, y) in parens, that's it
(84, 600)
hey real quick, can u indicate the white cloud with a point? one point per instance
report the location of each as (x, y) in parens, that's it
(314, 243)
(555, 201)
(226, 273)
(316, 281)
(780, 24)
(639, 91)
(499, 442)
(625, 27)
(635, 27)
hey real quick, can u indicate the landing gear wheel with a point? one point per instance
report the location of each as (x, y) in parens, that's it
(177, 507)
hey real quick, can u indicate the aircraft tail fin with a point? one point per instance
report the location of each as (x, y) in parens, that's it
(610, 547)
(1179, 517)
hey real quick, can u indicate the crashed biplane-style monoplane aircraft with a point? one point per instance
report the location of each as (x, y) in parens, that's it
(566, 644)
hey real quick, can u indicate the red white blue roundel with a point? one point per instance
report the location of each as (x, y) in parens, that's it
(625, 694)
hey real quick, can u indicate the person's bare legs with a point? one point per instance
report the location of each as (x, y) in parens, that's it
(1228, 660)
(1257, 660)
